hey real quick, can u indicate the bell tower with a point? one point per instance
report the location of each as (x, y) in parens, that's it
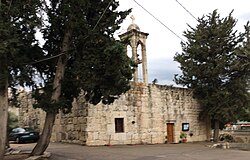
(137, 38)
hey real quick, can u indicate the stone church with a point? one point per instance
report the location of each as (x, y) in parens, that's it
(146, 114)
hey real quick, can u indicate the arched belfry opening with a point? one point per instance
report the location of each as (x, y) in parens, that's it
(137, 43)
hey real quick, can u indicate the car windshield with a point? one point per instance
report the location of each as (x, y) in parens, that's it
(20, 130)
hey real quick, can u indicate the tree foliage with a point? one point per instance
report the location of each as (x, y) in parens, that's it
(215, 64)
(97, 63)
(81, 55)
(18, 22)
(12, 121)
(18, 45)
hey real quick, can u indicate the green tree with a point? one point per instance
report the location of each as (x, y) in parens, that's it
(212, 65)
(79, 33)
(12, 121)
(244, 63)
(18, 20)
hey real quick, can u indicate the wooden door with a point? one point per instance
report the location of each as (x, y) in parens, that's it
(170, 132)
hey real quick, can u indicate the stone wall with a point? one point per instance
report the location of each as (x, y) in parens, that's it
(145, 109)
(71, 127)
(28, 116)
(240, 136)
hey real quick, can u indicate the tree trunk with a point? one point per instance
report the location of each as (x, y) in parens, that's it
(7, 143)
(44, 140)
(8, 132)
(216, 130)
(3, 105)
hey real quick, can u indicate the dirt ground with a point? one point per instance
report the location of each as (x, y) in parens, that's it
(181, 151)
(21, 156)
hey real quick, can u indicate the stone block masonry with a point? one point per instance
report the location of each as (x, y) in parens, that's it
(138, 117)
(144, 112)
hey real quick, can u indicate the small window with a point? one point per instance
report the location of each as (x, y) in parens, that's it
(119, 125)
(185, 126)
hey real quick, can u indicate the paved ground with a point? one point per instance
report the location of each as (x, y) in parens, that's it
(187, 151)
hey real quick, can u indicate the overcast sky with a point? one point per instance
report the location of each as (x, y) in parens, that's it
(161, 43)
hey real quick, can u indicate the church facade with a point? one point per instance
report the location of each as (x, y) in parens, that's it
(146, 114)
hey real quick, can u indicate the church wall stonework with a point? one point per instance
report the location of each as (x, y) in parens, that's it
(28, 116)
(145, 110)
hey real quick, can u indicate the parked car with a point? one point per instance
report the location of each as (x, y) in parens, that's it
(21, 135)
